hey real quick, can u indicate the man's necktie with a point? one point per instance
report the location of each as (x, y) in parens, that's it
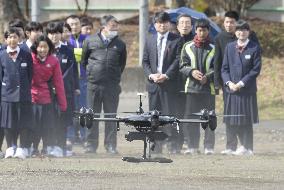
(159, 49)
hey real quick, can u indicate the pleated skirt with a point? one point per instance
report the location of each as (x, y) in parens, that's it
(16, 114)
(240, 109)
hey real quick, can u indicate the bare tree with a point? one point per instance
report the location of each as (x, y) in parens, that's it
(178, 3)
(27, 10)
(9, 10)
(240, 6)
(83, 12)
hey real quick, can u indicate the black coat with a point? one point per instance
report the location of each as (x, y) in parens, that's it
(104, 62)
(170, 62)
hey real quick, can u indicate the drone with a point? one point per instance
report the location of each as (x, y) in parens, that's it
(148, 127)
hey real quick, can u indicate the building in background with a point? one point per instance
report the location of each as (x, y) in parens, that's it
(272, 10)
(54, 9)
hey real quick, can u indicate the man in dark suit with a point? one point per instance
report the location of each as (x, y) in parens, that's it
(160, 65)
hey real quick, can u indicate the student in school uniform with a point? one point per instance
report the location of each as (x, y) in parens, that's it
(20, 26)
(46, 73)
(240, 68)
(1, 130)
(66, 34)
(32, 30)
(68, 66)
(16, 76)
(87, 26)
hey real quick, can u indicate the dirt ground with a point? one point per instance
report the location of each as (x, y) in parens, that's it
(264, 170)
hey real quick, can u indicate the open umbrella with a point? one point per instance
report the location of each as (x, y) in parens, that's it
(174, 13)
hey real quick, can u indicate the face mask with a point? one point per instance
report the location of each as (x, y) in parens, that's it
(112, 34)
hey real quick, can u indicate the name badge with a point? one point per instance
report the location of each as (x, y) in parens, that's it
(247, 56)
(64, 60)
(24, 64)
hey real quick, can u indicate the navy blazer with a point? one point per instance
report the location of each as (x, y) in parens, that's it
(243, 66)
(69, 69)
(170, 62)
(16, 77)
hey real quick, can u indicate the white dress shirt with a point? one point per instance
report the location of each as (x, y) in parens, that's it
(164, 42)
(9, 49)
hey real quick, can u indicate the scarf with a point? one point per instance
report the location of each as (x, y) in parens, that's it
(198, 43)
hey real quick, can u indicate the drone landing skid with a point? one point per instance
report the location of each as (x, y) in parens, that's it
(138, 160)
(146, 137)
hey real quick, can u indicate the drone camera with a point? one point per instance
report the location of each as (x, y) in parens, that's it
(212, 122)
(204, 125)
(86, 117)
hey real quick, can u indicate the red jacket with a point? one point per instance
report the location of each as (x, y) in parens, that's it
(42, 73)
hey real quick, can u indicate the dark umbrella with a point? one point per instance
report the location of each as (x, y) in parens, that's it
(174, 13)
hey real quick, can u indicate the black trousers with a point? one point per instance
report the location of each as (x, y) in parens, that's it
(103, 97)
(177, 136)
(11, 135)
(243, 132)
(61, 122)
(43, 122)
(1, 137)
(194, 103)
(164, 102)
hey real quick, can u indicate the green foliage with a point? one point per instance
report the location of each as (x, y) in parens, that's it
(200, 5)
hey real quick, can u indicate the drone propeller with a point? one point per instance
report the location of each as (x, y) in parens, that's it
(200, 114)
(107, 119)
(96, 114)
(205, 112)
(192, 121)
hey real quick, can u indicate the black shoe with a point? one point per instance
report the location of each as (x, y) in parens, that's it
(35, 154)
(111, 150)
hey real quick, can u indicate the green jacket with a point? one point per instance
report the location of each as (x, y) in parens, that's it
(193, 58)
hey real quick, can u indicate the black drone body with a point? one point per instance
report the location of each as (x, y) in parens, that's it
(148, 127)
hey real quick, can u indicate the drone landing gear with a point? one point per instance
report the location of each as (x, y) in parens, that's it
(147, 138)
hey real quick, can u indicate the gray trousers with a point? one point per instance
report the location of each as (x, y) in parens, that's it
(194, 103)
(107, 98)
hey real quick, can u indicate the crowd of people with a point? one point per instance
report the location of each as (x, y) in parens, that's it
(48, 73)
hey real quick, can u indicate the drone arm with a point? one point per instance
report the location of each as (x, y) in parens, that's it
(107, 119)
(192, 121)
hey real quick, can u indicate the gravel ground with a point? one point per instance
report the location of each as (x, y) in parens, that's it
(264, 170)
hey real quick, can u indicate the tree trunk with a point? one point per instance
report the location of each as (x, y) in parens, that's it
(178, 3)
(9, 9)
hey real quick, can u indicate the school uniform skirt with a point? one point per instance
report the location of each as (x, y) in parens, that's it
(244, 105)
(16, 115)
